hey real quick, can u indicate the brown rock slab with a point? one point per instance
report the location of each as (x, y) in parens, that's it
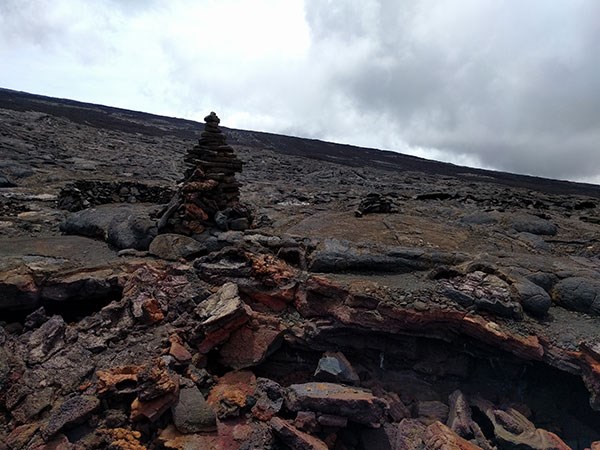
(250, 344)
(335, 367)
(511, 428)
(294, 438)
(152, 409)
(358, 405)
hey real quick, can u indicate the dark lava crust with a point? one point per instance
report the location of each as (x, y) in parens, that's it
(379, 301)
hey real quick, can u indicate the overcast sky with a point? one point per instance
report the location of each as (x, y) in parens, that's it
(506, 84)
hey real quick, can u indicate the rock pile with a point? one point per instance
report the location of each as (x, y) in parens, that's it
(210, 193)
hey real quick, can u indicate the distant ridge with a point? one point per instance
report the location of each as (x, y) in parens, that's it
(124, 120)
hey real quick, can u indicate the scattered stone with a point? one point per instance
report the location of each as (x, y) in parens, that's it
(307, 421)
(118, 380)
(192, 414)
(432, 411)
(578, 294)
(294, 438)
(152, 409)
(439, 437)
(459, 417)
(47, 339)
(178, 350)
(33, 404)
(334, 367)
(73, 411)
(251, 344)
(269, 401)
(210, 193)
(374, 203)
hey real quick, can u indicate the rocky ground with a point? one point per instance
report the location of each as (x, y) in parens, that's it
(379, 301)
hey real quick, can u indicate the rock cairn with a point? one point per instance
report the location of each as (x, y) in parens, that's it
(210, 193)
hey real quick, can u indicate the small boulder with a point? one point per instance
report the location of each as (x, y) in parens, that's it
(192, 414)
(175, 246)
(534, 299)
(294, 438)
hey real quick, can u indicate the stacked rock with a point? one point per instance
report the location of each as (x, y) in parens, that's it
(210, 193)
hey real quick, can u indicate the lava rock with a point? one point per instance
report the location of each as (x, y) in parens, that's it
(73, 411)
(334, 367)
(294, 438)
(358, 405)
(526, 223)
(534, 299)
(175, 246)
(5, 182)
(123, 225)
(578, 294)
(132, 232)
(192, 414)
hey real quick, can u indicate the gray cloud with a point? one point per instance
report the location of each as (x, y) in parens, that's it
(514, 86)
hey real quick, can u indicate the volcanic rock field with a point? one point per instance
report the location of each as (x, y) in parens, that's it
(152, 296)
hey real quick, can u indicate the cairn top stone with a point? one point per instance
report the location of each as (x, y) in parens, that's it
(212, 118)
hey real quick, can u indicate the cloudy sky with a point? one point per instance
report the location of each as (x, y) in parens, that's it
(506, 84)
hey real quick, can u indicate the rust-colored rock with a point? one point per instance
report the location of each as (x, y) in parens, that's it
(152, 409)
(178, 351)
(123, 439)
(252, 343)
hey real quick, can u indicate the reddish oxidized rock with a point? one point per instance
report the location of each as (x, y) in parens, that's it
(252, 343)
(118, 380)
(294, 438)
(231, 393)
(178, 351)
(220, 314)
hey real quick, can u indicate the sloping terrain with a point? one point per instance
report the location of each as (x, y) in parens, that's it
(380, 300)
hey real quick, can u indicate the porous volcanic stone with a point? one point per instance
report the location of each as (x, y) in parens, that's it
(192, 414)
(175, 246)
(358, 405)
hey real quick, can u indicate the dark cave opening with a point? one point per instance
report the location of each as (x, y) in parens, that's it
(424, 369)
(71, 309)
